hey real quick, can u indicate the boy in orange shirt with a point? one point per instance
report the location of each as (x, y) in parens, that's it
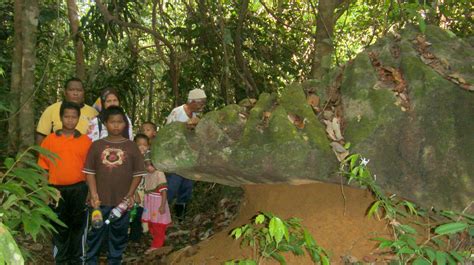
(65, 174)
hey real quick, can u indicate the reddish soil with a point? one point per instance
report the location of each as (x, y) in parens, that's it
(339, 225)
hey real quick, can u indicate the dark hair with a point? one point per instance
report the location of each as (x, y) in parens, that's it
(141, 136)
(73, 79)
(69, 105)
(150, 123)
(114, 110)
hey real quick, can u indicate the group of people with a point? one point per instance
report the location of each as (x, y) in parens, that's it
(101, 165)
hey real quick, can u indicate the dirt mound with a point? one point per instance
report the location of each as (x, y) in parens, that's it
(335, 216)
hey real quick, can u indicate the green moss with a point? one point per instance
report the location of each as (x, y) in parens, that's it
(359, 77)
(171, 149)
(252, 133)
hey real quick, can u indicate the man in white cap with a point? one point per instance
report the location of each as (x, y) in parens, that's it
(179, 187)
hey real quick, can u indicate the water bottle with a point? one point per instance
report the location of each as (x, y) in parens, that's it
(133, 212)
(97, 220)
(117, 212)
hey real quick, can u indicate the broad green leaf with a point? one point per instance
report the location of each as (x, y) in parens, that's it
(347, 145)
(408, 229)
(9, 162)
(324, 260)
(238, 233)
(457, 256)
(31, 225)
(278, 257)
(450, 228)
(441, 258)
(11, 200)
(373, 209)
(276, 229)
(405, 250)
(9, 251)
(308, 238)
(260, 219)
(430, 253)
(13, 188)
(353, 159)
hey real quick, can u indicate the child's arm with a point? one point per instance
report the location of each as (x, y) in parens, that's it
(95, 202)
(164, 199)
(133, 187)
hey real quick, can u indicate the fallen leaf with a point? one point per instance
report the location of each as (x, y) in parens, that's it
(336, 126)
(468, 87)
(337, 147)
(329, 130)
(296, 120)
(313, 100)
(458, 77)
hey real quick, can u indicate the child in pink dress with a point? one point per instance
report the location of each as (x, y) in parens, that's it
(156, 211)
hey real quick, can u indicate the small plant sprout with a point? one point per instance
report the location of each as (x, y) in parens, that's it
(269, 236)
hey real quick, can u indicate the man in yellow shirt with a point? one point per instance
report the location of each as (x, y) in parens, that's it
(50, 120)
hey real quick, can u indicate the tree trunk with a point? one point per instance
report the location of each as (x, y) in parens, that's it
(150, 99)
(174, 75)
(27, 115)
(15, 79)
(225, 85)
(324, 46)
(73, 16)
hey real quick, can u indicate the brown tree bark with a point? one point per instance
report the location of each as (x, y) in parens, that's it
(151, 89)
(226, 94)
(15, 78)
(26, 116)
(73, 16)
(323, 42)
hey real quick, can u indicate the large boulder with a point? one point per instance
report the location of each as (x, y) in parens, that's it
(232, 146)
(423, 151)
(406, 106)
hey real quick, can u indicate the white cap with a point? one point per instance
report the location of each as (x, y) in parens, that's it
(196, 94)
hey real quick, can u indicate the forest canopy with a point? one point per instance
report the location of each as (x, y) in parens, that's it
(154, 51)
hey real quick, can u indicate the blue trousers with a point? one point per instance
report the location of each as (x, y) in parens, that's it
(117, 235)
(179, 188)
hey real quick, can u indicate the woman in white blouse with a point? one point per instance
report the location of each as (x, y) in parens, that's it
(97, 130)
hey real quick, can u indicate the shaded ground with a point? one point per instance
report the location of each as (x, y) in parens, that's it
(334, 215)
(339, 225)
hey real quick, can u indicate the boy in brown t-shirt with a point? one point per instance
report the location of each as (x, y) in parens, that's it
(114, 168)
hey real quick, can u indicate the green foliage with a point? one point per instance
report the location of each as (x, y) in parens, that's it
(443, 243)
(25, 194)
(9, 251)
(269, 236)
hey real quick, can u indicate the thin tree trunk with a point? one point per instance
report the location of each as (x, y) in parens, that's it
(150, 99)
(324, 46)
(26, 115)
(246, 74)
(225, 85)
(73, 16)
(15, 78)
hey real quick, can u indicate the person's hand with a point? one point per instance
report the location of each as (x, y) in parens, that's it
(131, 201)
(95, 202)
(162, 209)
(191, 124)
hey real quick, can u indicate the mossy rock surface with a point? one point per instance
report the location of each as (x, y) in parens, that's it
(232, 147)
(424, 152)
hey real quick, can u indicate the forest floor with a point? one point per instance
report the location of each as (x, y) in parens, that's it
(335, 215)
